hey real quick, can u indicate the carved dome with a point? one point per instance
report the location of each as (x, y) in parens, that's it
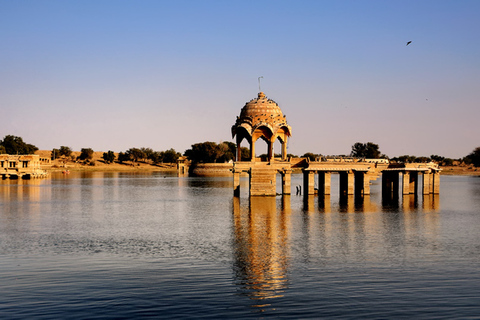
(261, 112)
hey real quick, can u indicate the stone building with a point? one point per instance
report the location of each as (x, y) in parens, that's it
(261, 118)
(20, 166)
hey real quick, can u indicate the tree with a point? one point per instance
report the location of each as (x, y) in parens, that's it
(15, 145)
(474, 157)
(244, 153)
(109, 156)
(170, 156)
(122, 157)
(205, 152)
(422, 159)
(368, 150)
(65, 151)
(405, 159)
(135, 154)
(156, 157)
(226, 151)
(310, 156)
(2, 150)
(147, 153)
(437, 158)
(86, 154)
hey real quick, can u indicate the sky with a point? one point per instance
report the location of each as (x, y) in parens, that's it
(116, 74)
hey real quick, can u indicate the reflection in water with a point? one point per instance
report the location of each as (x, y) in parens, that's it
(261, 248)
(171, 245)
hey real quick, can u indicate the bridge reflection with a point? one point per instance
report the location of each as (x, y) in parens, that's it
(366, 204)
(270, 232)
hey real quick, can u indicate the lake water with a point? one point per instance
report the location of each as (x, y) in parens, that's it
(123, 245)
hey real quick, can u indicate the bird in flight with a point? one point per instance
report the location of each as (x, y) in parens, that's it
(408, 42)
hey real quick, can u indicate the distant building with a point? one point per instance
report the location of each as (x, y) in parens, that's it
(20, 166)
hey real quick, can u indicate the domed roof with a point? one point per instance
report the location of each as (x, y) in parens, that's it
(261, 107)
(261, 112)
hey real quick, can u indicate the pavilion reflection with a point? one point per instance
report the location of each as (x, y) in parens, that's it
(261, 234)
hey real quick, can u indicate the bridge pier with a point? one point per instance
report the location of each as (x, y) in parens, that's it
(347, 183)
(236, 183)
(308, 182)
(362, 183)
(286, 181)
(324, 183)
(262, 177)
(436, 183)
(427, 183)
(390, 184)
(410, 182)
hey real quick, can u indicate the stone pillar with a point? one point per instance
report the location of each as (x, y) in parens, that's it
(362, 183)
(284, 150)
(252, 151)
(436, 183)
(406, 183)
(427, 182)
(390, 184)
(238, 156)
(270, 151)
(414, 183)
(236, 184)
(308, 182)
(286, 182)
(347, 183)
(366, 184)
(324, 183)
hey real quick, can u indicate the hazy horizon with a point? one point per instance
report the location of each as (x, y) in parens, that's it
(112, 75)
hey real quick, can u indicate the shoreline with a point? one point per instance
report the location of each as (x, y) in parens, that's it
(99, 165)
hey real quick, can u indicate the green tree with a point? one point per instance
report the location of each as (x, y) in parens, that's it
(437, 158)
(226, 151)
(156, 157)
(65, 151)
(2, 150)
(135, 154)
(447, 162)
(244, 153)
(122, 157)
(109, 156)
(147, 153)
(86, 154)
(473, 157)
(405, 159)
(311, 156)
(170, 156)
(422, 159)
(205, 152)
(15, 145)
(368, 150)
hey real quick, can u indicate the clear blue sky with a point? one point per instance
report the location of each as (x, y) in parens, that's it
(110, 75)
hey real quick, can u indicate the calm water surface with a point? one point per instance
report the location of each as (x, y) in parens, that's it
(118, 245)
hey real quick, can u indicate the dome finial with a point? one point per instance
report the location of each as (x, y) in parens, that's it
(259, 89)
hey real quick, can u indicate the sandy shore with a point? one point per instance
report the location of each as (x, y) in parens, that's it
(97, 164)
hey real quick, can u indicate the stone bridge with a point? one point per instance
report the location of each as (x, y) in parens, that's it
(355, 176)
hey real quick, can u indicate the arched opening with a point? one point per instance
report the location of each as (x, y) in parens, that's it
(277, 149)
(261, 149)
